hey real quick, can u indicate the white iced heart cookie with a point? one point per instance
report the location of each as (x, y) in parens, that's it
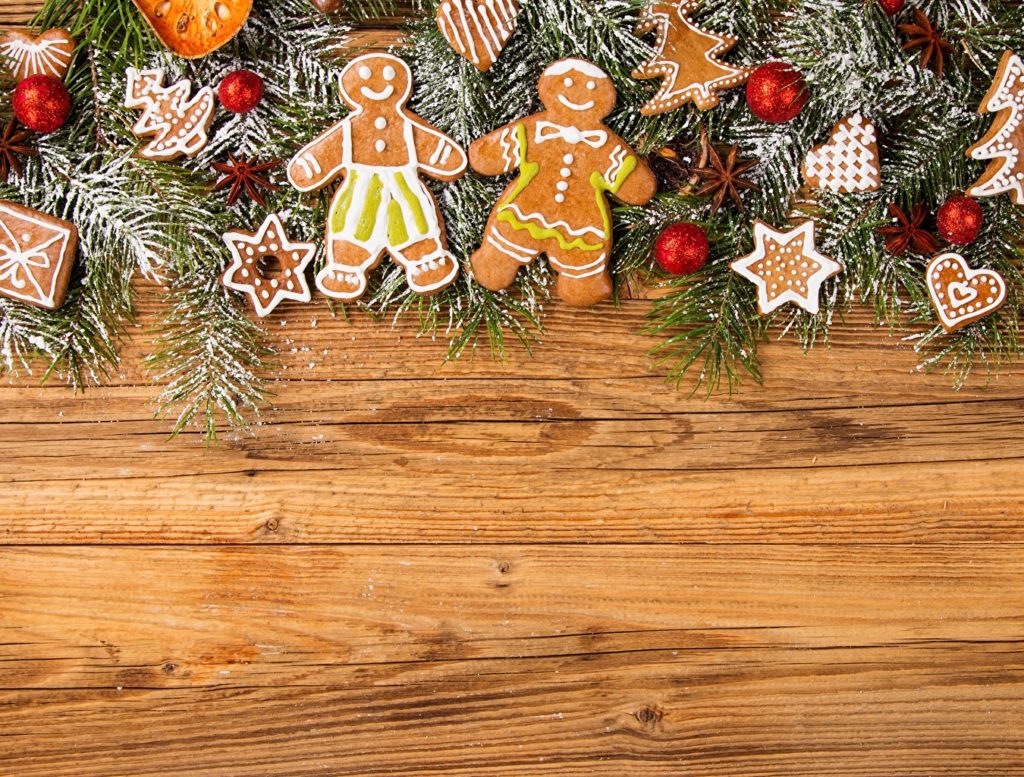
(961, 295)
(478, 29)
(849, 162)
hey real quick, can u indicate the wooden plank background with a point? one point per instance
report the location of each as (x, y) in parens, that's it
(553, 566)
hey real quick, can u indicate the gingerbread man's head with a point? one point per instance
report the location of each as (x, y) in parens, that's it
(376, 80)
(577, 92)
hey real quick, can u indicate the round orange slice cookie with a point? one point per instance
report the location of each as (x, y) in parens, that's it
(194, 28)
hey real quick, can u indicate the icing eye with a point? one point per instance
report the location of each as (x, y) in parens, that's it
(389, 73)
(568, 83)
(365, 73)
(591, 85)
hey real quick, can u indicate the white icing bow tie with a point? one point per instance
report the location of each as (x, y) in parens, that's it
(572, 135)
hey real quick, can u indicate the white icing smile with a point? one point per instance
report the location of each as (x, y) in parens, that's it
(575, 106)
(383, 94)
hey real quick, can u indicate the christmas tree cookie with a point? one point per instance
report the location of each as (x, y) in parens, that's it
(381, 150)
(176, 123)
(1004, 143)
(849, 162)
(687, 58)
(567, 160)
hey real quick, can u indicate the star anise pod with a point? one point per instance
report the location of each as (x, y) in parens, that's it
(244, 176)
(909, 232)
(14, 143)
(928, 38)
(724, 178)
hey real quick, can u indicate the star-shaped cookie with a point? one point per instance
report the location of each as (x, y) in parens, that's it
(267, 266)
(786, 267)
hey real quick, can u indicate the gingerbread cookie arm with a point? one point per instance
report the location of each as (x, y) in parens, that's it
(630, 179)
(321, 161)
(500, 152)
(439, 156)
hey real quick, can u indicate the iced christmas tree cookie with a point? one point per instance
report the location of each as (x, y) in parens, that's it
(1004, 143)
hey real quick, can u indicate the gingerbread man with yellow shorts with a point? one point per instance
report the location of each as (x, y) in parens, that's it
(381, 150)
(568, 162)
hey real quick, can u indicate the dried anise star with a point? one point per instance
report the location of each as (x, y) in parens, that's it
(244, 176)
(14, 143)
(723, 178)
(928, 38)
(909, 232)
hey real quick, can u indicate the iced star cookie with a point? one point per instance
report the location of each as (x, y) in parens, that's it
(686, 58)
(849, 162)
(46, 55)
(1004, 142)
(37, 254)
(478, 29)
(961, 295)
(267, 266)
(786, 267)
(568, 161)
(176, 123)
(380, 151)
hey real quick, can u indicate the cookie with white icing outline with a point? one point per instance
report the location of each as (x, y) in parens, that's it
(177, 122)
(568, 161)
(849, 161)
(786, 266)
(268, 266)
(961, 295)
(687, 58)
(37, 255)
(1004, 142)
(380, 151)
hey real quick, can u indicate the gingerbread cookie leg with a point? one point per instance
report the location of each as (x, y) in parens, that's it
(344, 275)
(503, 252)
(429, 266)
(583, 276)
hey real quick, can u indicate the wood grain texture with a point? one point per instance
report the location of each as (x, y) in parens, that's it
(556, 565)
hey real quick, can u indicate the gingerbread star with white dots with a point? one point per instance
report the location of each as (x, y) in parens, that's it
(786, 267)
(267, 266)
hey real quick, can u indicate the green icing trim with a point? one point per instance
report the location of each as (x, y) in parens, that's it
(368, 218)
(419, 217)
(339, 211)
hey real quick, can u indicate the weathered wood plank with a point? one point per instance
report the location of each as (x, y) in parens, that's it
(372, 439)
(518, 660)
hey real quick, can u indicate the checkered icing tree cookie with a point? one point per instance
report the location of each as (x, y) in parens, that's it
(849, 162)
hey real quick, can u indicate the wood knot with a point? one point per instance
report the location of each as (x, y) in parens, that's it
(169, 667)
(649, 716)
(272, 524)
(504, 567)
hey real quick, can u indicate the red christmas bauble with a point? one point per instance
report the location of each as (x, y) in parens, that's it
(776, 92)
(240, 91)
(41, 103)
(891, 7)
(682, 249)
(960, 220)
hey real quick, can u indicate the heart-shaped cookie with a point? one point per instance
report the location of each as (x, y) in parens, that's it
(849, 162)
(478, 29)
(194, 28)
(48, 55)
(961, 295)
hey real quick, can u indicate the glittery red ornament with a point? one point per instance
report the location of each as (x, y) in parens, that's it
(682, 249)
(960, 220)
(776, 92)
(240, 91)
(891, 7)
(41, 103)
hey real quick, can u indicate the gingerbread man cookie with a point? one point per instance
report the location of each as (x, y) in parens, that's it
(46, 55)
(1004, 142)
(568, 160)
(849, 162)
(687, 58)
(786, 267)
(267, 266)
(383, 206)
(478, 29)
(961, 295)
(177, 124)
(37, 254)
